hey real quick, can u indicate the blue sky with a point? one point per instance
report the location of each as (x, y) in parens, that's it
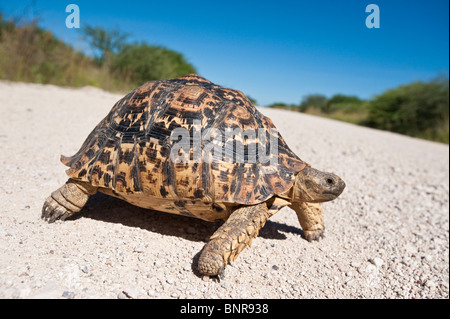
(276, 50)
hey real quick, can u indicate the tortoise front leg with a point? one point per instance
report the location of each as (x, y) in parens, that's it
(231, 238)
(67, 200)
(310, 218)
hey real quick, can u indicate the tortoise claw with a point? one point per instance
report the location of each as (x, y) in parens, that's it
(311, 235)
(211, 264)
(221, 274)
(52, 211)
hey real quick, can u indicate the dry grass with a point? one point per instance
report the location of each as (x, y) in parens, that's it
(30, 54)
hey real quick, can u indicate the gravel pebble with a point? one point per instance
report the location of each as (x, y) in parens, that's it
(138, 249)
(132, 292)
(68, 294)
(376, 261)
(122, 295)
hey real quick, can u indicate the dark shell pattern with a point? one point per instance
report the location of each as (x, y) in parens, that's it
(127, 154)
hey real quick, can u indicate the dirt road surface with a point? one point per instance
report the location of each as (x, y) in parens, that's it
(387, 235)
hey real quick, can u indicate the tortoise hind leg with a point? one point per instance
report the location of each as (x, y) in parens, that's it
(231, 238)
(67, 200)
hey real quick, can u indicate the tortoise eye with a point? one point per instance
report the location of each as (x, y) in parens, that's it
(330, 181)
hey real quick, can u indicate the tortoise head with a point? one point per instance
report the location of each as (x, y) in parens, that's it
(312, 185)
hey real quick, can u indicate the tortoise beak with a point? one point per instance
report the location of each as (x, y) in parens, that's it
(334, 186)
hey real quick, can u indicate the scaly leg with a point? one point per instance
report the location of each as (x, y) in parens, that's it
(231, 238)
(67, 200)
(310, 218)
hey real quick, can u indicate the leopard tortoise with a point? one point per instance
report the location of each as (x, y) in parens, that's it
(132, 154)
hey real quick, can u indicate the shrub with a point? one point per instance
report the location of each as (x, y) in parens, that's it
(344, 103)
(142, 62)
(285, 106)
(316, 101)
(419, 109)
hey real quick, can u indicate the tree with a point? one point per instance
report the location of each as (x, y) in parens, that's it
(105, 42)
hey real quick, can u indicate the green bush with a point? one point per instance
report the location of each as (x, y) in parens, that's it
(346, 104)
(285, 106)
(141, 62)
(315, 101)
(419, 109)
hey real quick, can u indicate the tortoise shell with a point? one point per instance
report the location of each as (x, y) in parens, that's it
(128, 152)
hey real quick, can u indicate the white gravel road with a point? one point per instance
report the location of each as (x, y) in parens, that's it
(387, 236)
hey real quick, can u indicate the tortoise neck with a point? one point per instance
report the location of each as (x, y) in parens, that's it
(298, 192)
